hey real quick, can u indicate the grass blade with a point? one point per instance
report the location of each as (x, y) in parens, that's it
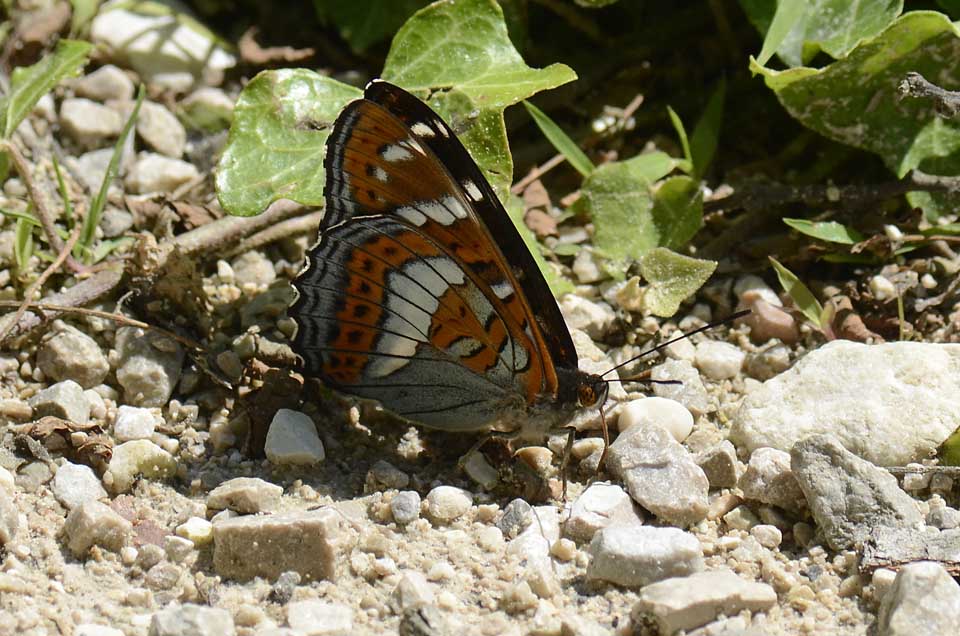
(62, 187)
(806, 302)
(560, 140)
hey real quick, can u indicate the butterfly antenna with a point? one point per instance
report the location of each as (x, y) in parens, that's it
(606, 439)
(706, 327)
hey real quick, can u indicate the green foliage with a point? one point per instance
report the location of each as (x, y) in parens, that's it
(830, 231)
(855, 100)
(23, 242)
(83, 12)
(365, 23)
(671, 278)
(949, 452)
(558, 284)
(564, 145)
(706, 134)
(802, 297)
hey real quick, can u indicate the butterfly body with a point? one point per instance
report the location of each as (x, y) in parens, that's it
(420, 293)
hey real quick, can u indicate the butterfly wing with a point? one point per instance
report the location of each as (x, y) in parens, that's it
(407, 299)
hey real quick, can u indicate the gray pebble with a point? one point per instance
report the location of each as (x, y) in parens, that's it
(70, 354)
(517, 515)
(75, 484)
(65, 400)
(405, 507)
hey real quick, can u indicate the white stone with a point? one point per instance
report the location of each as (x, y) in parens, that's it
(94, 523)
(769, 479)
(685, 603)
(7, 481)
(594, 318)
(882, 288)
(534, 542)
(924, 599)
(601, 505)
(413, 590)
(246, 495)
(191, 620)
(106, 83)
(634, 556)
(70, 354)
(320, 618)
(197, 530)
(741, 518)
(586, 268)
(89, 123)
(668, 413)
(161, 130)
(155, 173)
(134, 422)
(861, 394)
(719, 360)
(448, 503)
(90, 629)
(405, 507)
(766, 535)
(64, 399)
(690, 391)
(757, 286)
(293, 439)
(75, 484)
(209, 108)
(139, 457)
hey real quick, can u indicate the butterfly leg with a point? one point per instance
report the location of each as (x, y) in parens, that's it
(567, 449)
(486, 437)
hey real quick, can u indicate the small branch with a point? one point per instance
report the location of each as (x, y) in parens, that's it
(949, 471)
(946, 103)
(214, 237)
(290, 227)
(40, 204)
(536, 173)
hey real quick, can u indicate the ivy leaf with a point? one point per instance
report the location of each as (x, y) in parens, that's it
(671, 278)
(459, 58)
(275, 148)
(855, 100)
(363, 24)
(830, 231)
(558, 284)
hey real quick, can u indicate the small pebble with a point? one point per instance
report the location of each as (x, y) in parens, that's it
(75, 484)
(741, 518)
(197, 529)
(320, 618)
(882, 288)
(405, 507)
(246, 495)
(668, 413)
(766, 535)
(293, 439)
(133, 422)
(719, 360)
(448, 503)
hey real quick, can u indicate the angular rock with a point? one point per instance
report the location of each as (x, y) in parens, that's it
(634, 556)
(89, 123)
(139, 457)
(924, 599)
(209, 108)
(197, 530)
(268, 545)
(769, 479)
(413, 590)
(70, 354)
(320, 618)
(517, 515)
(660, 474)
(106, 83)
(586, 315)
(293, 439)
(533, 544)
(192, 620)
(149, 366)
(246, 495)
(599, 506)
(719, 464)
(254, 269)
(94, 523)
(133, 422)
(448, 503)
(9, 517)
(65, 400)
(161, 130)
(91, 629)
(849, 497)
(690, 392)
(155, 173)
(719, 360)
(862, 394)
(75, 484)
(893, 547)
(688, 602)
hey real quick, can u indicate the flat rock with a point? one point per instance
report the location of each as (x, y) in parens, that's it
(94, 523)
(320, 618)
(660, 474)
(683, 603)
(161, 130)
(891, 404)
(924, 599)
(690, 392)
(849, 497)
(75, 484)
(65, 400)
(152, 172)
(135, 458)
(89, 123)
(268, 545)
(293, 439)
(633, 556)
(106, 83)
(70, 354)
(719, 360)
(601, 505)
(892, 547)
(192, 620)
(246, 495)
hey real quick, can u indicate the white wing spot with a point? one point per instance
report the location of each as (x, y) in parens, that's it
(413, 215)
(413, 145)
(449, 270)
(437, 210)
(422, 129)
(502, 290)
(380, 174)
(396, 152)
(472, 190)
(455, 207)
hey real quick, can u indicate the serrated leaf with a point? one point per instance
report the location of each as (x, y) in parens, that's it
(560, 140)
(826, 231)
(633, 214)
(363, 24)
(28, 84)
(671, 278)
(459, 57)
(558, 284)
(796, 30)
(802, 297)
(706, 133)
(276, 143)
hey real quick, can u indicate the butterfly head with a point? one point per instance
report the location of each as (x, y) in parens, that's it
(592, 391)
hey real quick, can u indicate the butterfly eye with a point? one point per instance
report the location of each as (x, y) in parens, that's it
(586, 395)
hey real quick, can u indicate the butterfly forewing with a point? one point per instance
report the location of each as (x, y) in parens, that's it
(406, 298)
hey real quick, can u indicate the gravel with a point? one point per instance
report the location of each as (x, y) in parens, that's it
(292, 439)
(634, 555)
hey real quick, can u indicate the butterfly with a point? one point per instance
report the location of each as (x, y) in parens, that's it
(421, 293)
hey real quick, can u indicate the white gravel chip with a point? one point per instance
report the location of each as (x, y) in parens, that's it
(601, 505)
(412, 591)
(447, 503)
(924, 599)
(320, 618)
(90, 629)
(9, 518)
(139, 457)
(192, 620)
(766, 535)
(769, 479)
(719, 360)
(246, 495)
(161, 130)
(719, 464)
(685, 603)
(89, 123)
(293, 439)
(106, 83)
(155, 173)
(133, 422)
(94, 523)
(668, 413)
(197, 530)
(690, 392)
(149, 366)
(70, 354)
(65, 400)
(634, 556)
(586, 315)
(405, 507)
(75, 484)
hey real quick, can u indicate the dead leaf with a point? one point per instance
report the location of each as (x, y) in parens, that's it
(80, 443)
(193, 215)
(848, 324)
(252, 53)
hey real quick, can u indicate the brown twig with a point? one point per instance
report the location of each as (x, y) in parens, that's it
(40, 204)
(290, 227)
(118, 318)
(946, 103)
(214, 237)
(536, 173)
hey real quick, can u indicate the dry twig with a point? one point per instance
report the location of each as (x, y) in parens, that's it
(946, 103)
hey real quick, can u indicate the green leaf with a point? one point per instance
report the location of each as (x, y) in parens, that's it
(952, 229)
(949, 452)
(826, 231)
(567, 249)
(28, 84)
(64, 195)
(633, 214)
(363, 24)
(802, 297)
(558, 284)
(459, 57)
(92, 220)
(671, 278)
(687, 164)
(276, 143)
(706, 134)
(799, 29)
(23, 243)
(564, 145)
(83, 12)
